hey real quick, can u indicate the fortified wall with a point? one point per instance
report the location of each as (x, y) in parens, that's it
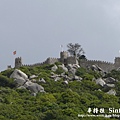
(106, 66)
(66, 59)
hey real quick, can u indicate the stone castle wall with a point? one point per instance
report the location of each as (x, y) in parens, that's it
(65, 59)
(71, 60)
(106, 66)
(48, 61)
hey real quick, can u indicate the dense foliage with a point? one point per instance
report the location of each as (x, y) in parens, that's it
(60, 102)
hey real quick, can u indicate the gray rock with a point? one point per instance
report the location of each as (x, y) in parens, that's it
(52, 73)
(63, 67)
(19, 82)
(72, 71)
(34, 80)
(110, 85)
(65, 82)
(100, 81)
(34, 87)
(110, 80)
(33, 76)
(76, 66)
(54, 68)
(118, 69)
(42, 80)
(54, 76)
(62, 74)
(65, 77)
(18, 74)
(57, 78)
(111, 92)
(77, 78)
(96, 68)
(33, 94)
(99, 90)
(69, 66)
(21, 87)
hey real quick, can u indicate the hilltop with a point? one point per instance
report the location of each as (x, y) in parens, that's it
(57, 92)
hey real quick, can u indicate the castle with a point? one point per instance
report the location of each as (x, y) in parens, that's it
(66, 59)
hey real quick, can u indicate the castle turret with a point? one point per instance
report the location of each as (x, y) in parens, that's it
(117, 62)
(18, 62)
(63, 56)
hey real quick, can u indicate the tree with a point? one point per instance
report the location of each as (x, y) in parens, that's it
(75, 49)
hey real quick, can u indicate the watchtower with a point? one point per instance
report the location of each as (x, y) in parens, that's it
(18, 62)
(63, 56)
(117, 62)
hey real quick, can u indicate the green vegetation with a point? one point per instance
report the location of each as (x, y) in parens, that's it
(61, 101)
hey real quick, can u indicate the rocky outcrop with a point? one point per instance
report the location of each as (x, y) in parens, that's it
(54, 68)
(34, 87)
(111, 92)
(110, 80)
(63, 67)
(33, 76)
(22, 81)
(100, 82)
(19, 77)
(18, 74)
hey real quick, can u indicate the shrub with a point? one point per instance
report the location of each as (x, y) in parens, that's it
(59, 71)
(81, 72)
(6, 82)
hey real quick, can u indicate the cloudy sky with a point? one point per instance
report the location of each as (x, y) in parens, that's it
(37, 28)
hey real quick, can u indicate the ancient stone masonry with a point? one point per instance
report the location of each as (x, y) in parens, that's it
(106, 66)
(18, 62)
(66, 59)
(52, 60)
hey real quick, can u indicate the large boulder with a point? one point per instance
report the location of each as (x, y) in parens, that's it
(19, 77)
(63, 67)
(96, 68)
(19, 82)
(34, 87)
(110, 80)
(72, 71)
(69, 66)
(33, 77)
(100, 82)
(65, 82)
(18, 74)
(76, 66)
(111, 92)
(54, 68)
(110, 85)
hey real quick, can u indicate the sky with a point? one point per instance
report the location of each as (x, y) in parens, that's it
(37, 28)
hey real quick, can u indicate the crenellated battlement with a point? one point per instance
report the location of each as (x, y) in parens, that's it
(100, 62)
(47, 61)
(66, 59)
(106, 66)
(18, 62)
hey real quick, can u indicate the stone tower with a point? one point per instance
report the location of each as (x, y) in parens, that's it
(18, 62)
(63, 56)
(117, 62)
